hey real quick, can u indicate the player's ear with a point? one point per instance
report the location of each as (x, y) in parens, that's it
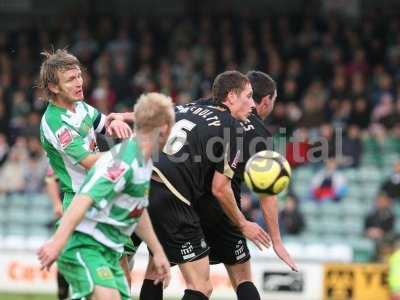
(265, 100)
(54, 88)
(231, 97)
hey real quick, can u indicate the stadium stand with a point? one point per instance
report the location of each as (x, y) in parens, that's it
(331, 74)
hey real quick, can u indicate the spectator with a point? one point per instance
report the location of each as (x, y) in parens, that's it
(380, 222)
(297, 149)
(360, 114)
(329, 183)
(36, 167)
(352, 147)
(384, 87)
(103, 97)
(122, 45)
(313, 115)
(85, 46)
(34, 173)
(384, 112)
(291, 220)
(391, 186)
(19, 109)
(12, 173)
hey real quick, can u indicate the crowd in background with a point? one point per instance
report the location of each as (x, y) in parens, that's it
(331, 74)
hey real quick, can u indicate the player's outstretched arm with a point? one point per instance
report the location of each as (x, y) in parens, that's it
(128, 117)
(146, 232)
(222, 190)
(49, 252)
(116, 124)
(269, 207)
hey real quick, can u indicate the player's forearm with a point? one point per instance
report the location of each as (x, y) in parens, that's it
(146, 232)
(269, 207)
(72, 217)
(125, 117)
(228, 203)
(128, 116)
(222, 190)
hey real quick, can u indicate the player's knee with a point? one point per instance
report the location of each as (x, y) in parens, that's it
(239, 280)
(102, 293)
(208, 288)
(204, 287)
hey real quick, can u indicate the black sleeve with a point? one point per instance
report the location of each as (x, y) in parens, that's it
(96, 123)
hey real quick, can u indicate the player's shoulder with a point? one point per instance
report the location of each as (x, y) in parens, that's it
(128, 151)
(206, 112)
(255, 123)
(52, 118)
(92, 111)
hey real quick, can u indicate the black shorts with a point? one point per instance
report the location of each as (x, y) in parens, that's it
(227, 243)
(177, 226)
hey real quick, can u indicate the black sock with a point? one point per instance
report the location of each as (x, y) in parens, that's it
(62, 286)
(194, 295)
(151, 291)
(247, 291)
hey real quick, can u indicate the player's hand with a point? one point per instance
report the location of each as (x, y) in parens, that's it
(111, 117)
(163, 268)
(256, 234)
(280, 250)
(119, 128)
(48, 254)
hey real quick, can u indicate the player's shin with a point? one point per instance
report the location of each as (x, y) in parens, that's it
(247, 291)
(194, 295)
(151, 291)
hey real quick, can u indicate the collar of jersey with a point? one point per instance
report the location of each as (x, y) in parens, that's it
(254, 112)
(54, 106)
(224, 106)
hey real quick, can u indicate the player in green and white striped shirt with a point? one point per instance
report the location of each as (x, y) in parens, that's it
(110, 205)
(69, 125)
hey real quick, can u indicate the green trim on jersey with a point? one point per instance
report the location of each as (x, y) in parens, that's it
(68, 137)
(118, 184)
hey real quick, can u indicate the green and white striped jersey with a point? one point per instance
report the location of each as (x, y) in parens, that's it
(119, 185)
(68, 137)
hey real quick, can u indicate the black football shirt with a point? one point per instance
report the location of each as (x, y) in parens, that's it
(204, 139)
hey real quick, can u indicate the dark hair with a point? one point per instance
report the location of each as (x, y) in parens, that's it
(262, 84)
(226, 82)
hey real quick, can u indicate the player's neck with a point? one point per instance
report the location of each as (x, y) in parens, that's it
(146, 143)
(68, 105)
(260, 112)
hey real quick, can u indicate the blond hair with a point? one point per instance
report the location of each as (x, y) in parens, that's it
(55, 61)
(153, 110)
